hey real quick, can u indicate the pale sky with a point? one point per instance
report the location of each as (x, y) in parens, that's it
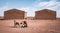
(30, 6)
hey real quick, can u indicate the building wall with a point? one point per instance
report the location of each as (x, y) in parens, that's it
(25, 15)
(45, 14)
(14, 14)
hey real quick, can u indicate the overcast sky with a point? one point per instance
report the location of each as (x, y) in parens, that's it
(30, 6)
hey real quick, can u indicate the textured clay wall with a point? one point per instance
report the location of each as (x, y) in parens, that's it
(45, 14)
(14, 14)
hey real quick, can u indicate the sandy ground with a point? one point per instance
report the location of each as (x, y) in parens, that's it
(34, 26)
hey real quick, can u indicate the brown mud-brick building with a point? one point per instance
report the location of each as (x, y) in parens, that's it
(45, 14)
(14, 14)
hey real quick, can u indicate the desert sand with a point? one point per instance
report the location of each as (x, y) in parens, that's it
(34, 26)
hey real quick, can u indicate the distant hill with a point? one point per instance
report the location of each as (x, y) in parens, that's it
(1, 17)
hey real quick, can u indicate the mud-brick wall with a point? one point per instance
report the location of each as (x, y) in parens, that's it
(14, 14)
(45, 14)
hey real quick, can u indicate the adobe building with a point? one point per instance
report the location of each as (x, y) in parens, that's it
(45, 14)
(14, 14)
